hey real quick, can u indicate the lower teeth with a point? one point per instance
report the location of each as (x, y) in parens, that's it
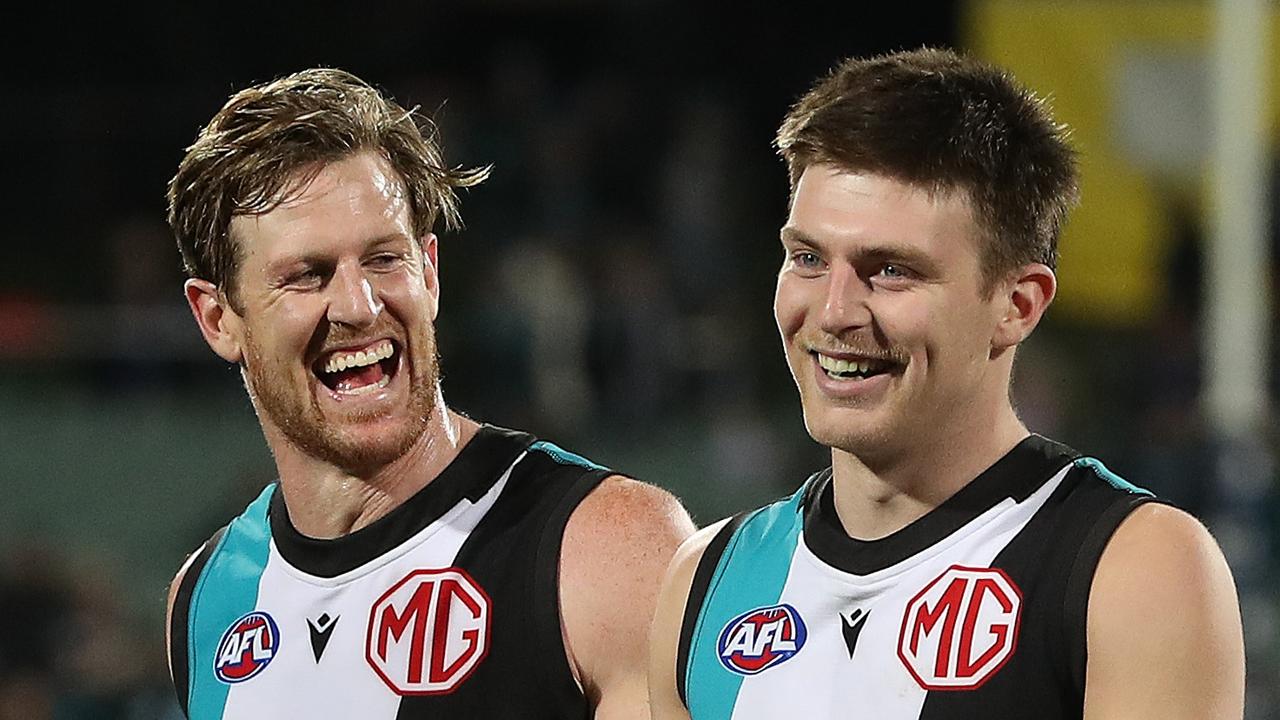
(386, 380)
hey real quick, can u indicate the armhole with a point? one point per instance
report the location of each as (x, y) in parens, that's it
(697, 595)
(546, 590)
(180, 618)
(1079, 583)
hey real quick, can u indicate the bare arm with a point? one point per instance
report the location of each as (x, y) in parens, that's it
(1164, 634)
(664, 698)
(617, 544)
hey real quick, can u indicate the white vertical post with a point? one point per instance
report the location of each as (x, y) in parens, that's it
(1236, 325)
(1237, 313)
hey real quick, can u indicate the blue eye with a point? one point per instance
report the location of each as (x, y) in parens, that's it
(894, 271)
(806, 259)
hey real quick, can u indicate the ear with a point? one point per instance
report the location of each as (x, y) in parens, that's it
(1025, 297)
(431, 270)
(218, 321)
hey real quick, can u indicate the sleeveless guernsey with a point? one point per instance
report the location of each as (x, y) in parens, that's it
(446, 607)
(976, 610)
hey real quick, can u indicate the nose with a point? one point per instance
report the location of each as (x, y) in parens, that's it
(845, 305)
(351, 297)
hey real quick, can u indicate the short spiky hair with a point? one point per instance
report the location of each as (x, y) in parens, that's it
(269, 140)
(945, 122)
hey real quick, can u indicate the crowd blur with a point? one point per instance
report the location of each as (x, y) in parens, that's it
(611, 291)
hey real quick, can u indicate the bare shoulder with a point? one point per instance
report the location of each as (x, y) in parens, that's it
(617, 544)
(664, 642)
(622, 534)
(1161, 546)
(1163, 598)
(688, 556)
(624, 509)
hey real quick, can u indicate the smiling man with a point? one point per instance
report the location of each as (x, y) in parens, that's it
(949, 564)
(409, 562)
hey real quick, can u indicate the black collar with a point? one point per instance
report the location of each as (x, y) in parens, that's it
(478, 465)
(1016, 475)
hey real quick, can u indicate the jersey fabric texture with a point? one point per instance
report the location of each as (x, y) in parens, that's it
(976, 610)
(445, 607)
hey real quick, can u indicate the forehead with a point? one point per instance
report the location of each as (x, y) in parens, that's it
(858, 209)
(351, 200)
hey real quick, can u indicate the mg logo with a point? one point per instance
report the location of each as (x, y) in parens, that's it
(961, 628)
(428, 632)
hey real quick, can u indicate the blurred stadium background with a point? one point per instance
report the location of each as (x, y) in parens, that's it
(612, 288)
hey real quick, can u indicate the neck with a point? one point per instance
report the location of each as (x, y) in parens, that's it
(326, 502)
(877, 498)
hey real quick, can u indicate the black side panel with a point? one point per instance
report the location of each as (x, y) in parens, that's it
(698, 594)
(180, 618)
(1052, 562)
(514, 554)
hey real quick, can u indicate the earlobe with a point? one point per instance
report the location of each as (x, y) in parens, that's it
(1026, 298)
(218, 322)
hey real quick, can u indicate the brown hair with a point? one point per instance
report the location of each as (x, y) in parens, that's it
(938, 120)
(270, 140)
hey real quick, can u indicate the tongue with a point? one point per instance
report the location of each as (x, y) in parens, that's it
(358, 377)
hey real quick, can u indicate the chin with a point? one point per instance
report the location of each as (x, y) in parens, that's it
(856, 432)
(365, 448)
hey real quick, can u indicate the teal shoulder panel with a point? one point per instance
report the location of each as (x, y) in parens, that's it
(1109, 477)
(227, 589)
(751, 573)
(562, 456)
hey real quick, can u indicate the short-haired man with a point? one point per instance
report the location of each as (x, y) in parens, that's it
(949, 564)
(409, 562)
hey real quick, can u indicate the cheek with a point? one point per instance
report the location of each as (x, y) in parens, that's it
(408, 298)
(904, 319)
(788, 307)
(296, 322)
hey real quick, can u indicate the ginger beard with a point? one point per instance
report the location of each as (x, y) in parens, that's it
(340, 442)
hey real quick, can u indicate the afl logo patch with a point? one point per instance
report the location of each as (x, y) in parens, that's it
(246, 648)
(760, 639)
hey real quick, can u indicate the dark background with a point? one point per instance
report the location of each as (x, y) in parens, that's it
(611, 292)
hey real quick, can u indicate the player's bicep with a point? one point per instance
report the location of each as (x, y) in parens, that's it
(617, 545)
(1164, 634)
(664, 640)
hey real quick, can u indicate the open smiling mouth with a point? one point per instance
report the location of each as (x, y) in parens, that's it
(358, 372)
(857, 369)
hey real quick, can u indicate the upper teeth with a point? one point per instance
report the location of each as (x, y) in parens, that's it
(368, 356)
(835, 365)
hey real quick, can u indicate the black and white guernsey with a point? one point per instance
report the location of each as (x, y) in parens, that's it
(447, 607)
(976, 610)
